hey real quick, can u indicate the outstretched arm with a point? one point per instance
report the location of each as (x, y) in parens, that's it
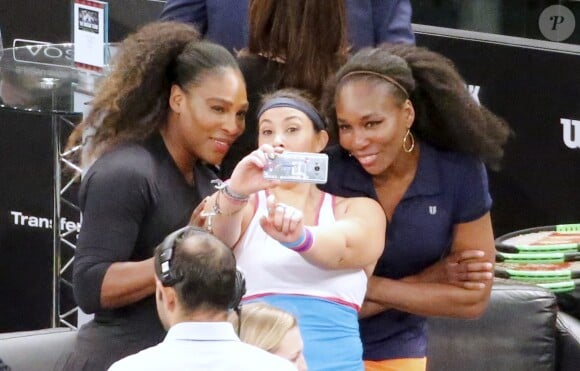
(229, 209)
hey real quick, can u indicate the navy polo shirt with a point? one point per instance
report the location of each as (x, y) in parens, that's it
(449, 188)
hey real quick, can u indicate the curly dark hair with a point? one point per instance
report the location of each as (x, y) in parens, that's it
(446, 115)
(297, 31)
(132, 102)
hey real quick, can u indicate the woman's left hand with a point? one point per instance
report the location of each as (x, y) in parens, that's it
(283, 223)
(465, 269)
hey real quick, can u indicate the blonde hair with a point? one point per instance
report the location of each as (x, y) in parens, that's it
(263, 325)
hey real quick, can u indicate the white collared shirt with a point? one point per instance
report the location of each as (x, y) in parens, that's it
(204, 346)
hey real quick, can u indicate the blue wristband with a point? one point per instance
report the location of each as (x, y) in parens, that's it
(303, 244)
(294, 244)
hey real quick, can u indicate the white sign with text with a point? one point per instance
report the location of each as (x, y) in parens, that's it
(90, 34)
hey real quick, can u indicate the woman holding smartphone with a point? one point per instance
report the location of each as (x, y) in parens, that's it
(302, 249)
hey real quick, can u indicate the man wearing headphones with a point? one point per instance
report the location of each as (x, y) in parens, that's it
(197, 283)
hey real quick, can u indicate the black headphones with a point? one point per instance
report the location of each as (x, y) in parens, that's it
(168, 276)
(239, 290)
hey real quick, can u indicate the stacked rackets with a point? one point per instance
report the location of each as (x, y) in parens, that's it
(546, 256)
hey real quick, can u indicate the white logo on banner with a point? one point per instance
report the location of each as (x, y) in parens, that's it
(30, 51)
(571, 133)
(474, 91)
(432, 210)
(31, 221)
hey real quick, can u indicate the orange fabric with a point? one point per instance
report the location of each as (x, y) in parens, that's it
(401, 364)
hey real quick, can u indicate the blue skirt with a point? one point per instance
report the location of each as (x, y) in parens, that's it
(330, 331)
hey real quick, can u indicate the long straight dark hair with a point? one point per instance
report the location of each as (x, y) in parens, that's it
(308, 36)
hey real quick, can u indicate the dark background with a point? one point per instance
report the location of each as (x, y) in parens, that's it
(531, 89)
(25, 252)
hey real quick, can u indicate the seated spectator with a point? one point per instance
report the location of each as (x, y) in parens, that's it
(197, 283)
(271, 329)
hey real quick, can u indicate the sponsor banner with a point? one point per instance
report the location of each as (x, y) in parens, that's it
(26, 211)
(571, 133)
(537, 92)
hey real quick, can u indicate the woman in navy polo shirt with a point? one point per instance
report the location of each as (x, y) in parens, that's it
(413, 138)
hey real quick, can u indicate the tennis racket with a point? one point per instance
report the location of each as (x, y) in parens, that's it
(553, 277)
(539, 273)
(537, 257)
(557, 287)
(563, 238)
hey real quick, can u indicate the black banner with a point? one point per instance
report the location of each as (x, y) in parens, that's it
(26, 213)
(26, 209)
(537, 91)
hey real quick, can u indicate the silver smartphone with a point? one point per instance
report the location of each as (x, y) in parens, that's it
(299, 167)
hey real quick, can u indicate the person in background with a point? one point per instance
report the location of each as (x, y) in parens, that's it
(170, 105)
(271, 329)
(196, 285)
(283, 54)
(303, 250)
(412, 138)
(370, 22)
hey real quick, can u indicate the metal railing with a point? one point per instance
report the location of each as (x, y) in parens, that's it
(66, 179)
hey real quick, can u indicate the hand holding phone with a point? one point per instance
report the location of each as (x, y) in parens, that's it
(299, 167)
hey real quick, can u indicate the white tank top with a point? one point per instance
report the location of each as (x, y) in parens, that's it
(271, 268)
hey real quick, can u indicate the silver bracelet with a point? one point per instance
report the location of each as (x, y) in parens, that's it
(224, 187)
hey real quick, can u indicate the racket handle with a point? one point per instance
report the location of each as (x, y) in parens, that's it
(500, 273)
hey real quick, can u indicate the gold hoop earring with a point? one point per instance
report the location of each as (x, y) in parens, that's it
(408, 142)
